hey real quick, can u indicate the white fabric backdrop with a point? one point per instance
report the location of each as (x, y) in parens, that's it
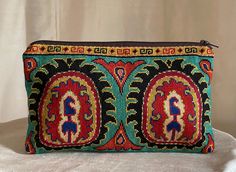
(14, 159)
(103, 20)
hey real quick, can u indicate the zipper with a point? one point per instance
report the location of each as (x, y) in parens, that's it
(128, 43)
(207, 43)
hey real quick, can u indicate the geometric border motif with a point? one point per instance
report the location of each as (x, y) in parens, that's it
(119, 51)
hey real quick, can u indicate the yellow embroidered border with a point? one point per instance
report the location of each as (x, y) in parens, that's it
(119, 51)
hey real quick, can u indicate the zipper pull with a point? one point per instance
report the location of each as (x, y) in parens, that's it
(207, 43)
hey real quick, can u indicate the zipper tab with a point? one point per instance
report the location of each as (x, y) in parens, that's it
(207, 43)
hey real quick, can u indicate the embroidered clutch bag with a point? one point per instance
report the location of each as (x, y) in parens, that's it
(119, 96)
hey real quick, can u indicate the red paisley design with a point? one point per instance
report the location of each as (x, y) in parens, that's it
(206, 67)
(172, 109)
(69, 110)
(29, 65)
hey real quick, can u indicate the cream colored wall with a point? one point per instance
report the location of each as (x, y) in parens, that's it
(149, 20)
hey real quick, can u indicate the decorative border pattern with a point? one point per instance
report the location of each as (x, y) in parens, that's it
(119, 51)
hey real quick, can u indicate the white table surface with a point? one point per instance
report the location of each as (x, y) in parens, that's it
(14, 158)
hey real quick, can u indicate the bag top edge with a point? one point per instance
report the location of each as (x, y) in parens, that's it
(121, 48)
(123, 43)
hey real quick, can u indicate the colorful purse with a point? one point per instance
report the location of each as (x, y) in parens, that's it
(119, 96)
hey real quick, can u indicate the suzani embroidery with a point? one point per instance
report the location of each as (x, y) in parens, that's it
(69, 111)
(120, 70)
(118, 98)
(172, 109)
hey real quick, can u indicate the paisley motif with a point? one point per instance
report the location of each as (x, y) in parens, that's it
(172, 109)
(69, 111)
(29, 65)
